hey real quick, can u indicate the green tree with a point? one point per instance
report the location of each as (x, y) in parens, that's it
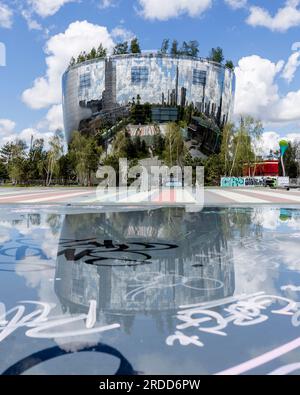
(36, 161)
(53, 155)
(135, 46)
(72, 62)
(213, 170)
(120, 145)
(121, 49)
(174, 48)
(81, 57)
(194, 48)
(225, 155)
(247, 133)
(229, 64)
(101, 52)
(190, 49)
(85, 154)
(92, 54)
(13, 156)
(216, 55)
(175, 151)
(165, 46)
(3, 171)
(291, 160)
(158, 145)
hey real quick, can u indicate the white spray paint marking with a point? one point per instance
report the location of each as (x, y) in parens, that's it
(285, 370)
(184, 340)
(2, 315)
(242, 312)
(261, 360)
(43, 326)
(92, 315)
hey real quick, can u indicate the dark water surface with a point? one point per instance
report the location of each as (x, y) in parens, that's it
(154, 292)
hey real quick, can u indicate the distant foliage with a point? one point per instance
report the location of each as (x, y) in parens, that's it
(216, 55)
(135, 46)
(99, 53)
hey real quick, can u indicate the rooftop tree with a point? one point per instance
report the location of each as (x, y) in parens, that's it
(135, 46)
(165, 46)
(121, 48)
(174, 48)
(101, 52)
(229, 64)
(216, 55)
(190, 49)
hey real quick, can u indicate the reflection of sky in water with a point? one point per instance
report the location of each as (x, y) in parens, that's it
(139, 268)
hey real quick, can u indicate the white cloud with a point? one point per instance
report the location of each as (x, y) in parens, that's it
(45, 8)
(270, 141)
(6, 16)
(27, 133)
(53, 119)
(256, 89)
(9, 134)
(59, 49)
(236, 4)
(164, 10)
(7, 128)
(107, 4)
(31, 22)
(258, 93)
(120, 33)
(286, 17)
(292, 64)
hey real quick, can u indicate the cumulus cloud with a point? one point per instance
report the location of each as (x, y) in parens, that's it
(256, 89)
(258, 93)
(45, 8)
(53, 120)
(59, 49)
(270, 141)
(292, 64)
(26, 135)
(6, 16)
(31, 22)
(236, 4)
(107, 4)
(164, 10)
(286, 17)
(120, 33)
(7, 127)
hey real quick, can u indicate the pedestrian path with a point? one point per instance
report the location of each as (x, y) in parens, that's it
(90, 196)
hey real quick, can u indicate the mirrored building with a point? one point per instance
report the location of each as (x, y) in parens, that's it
(108, 85)
(142, 262)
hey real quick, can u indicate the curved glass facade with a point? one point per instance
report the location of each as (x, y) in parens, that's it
(106, 84)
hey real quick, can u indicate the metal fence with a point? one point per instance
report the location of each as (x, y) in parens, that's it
(295, 182)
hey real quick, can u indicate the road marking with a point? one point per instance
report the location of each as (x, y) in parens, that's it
(237, 197)
(57, 197)
(279, 195)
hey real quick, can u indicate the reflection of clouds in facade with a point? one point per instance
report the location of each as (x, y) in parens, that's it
(156, 78)
(199, 269)
(271, 246)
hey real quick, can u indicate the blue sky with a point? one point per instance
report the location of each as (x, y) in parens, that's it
(261, 37)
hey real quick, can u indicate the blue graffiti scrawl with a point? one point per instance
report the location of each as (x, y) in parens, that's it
(232, 182)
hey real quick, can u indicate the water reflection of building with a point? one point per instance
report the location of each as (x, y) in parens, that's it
(104, 257)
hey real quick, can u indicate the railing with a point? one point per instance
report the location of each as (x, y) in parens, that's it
(295, 182)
